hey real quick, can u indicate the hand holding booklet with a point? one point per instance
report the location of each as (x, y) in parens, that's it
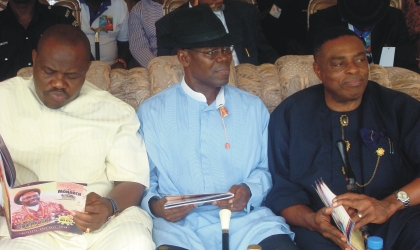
(341, 217)
(188, 199)
(38, 206)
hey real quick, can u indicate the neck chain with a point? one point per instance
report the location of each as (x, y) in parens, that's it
(344, 121)
(223, 114)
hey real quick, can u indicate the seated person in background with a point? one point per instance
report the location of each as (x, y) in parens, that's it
(21, 25)
(58, 127)
(373, 20)
(142, 31)
(112, 17)
(238, 18)
(195, 146)
(382, 127)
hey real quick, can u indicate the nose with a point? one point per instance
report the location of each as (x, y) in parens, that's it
(223, 56)
(352, 68)
(59, 82)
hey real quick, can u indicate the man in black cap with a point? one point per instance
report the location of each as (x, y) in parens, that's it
(378, 24)
(21, 26)
(204, 136)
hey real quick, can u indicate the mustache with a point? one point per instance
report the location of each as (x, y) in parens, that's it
(58, 90)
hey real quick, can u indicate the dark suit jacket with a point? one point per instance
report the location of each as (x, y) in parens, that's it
(391, 31)
(242, 19)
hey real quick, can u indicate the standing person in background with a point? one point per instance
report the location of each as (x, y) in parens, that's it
(411, 9)
(379, 24)
(284, 23)
(21, 25)
(113, 39)
(142, 30)
(238, 18)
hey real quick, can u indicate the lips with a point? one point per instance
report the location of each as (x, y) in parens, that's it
(353, 82)
(223, 71)
(58, 96)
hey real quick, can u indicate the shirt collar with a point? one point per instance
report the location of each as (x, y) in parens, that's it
(220, 98)
(356, 30)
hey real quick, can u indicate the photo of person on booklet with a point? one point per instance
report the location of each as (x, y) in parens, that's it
(34, 212)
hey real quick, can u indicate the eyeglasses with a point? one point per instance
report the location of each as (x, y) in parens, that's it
(213, 54)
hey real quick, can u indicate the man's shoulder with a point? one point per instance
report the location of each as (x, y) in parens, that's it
(14, 83)
(103, 99)
(304, 100)
(390, 97)
(160, 97)
(167, 19)
(60, 13)
(120, 4)
(239, 4)
(240, 7)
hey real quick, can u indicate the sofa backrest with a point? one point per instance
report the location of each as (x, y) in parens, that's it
(271, 82)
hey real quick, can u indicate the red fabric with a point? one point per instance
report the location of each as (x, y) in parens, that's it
(45, 210)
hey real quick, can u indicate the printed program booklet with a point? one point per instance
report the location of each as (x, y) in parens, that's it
(341, 217)
(201, 199)
(38, 206)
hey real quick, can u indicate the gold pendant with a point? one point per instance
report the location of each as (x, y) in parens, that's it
(343, 170)
(347, 145)
(344, 120)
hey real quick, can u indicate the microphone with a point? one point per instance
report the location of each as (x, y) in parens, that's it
(225, 221)
(351, 179)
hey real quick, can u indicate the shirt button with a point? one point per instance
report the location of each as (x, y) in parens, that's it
(29, 64)
(27, 38)
(6, 59)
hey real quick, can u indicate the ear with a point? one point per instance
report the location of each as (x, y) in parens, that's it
(317, 70)
(184, 58)
(34, 54)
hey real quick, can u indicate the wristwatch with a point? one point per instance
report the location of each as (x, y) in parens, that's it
(115, 211)
(403, 197)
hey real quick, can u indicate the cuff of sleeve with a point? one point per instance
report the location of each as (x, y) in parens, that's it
(255, 196)
(145, 203)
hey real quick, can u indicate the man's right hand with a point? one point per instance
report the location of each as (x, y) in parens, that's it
(171, 214)
(322, 224)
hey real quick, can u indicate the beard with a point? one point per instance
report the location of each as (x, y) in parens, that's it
(220, 8)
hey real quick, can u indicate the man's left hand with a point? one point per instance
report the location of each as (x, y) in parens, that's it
(97, 211)
(239, 201)
(367, 209)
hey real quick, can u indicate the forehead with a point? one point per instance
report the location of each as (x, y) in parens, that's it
(51, 45)
(31, 193)
(342, 46)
